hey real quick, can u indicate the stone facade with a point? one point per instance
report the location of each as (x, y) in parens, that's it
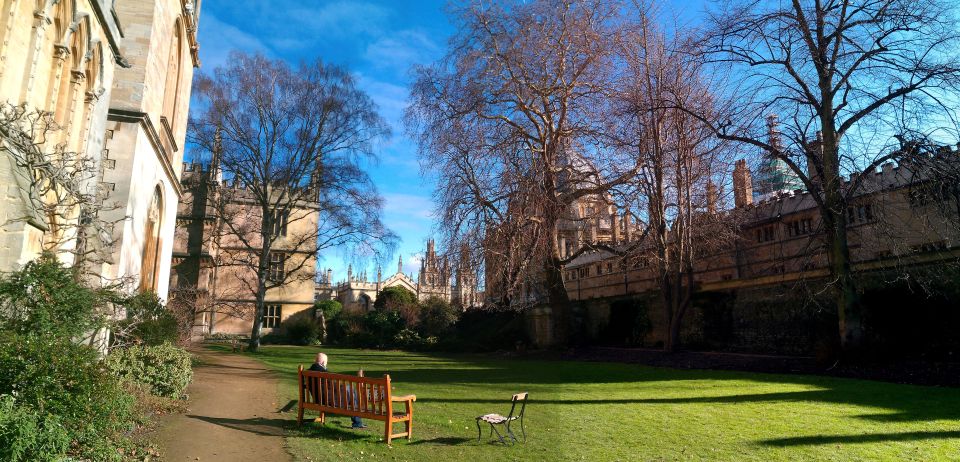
(898, 220)
(59, 57)
(116, 77)
(208, 257)
(146, 129)
(358, 293)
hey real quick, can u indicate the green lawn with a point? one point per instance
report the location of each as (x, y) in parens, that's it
(606, 411)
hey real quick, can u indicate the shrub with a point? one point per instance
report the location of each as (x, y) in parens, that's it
(45, 298)
(56, 377)
(411, 340)
(147, 321)
(26, 435)
(327, 311)
(165, 369)
(382, 327)
(485, 330)
(437, 316)
(302, 331)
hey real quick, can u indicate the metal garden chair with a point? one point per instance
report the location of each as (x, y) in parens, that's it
(496, 419)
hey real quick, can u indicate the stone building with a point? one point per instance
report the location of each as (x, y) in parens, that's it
(116, 77)
(212, 271)
(899, 219)
(358, 293)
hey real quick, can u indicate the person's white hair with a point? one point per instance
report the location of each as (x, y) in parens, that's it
(322, 359)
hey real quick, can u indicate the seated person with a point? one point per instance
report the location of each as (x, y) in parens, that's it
(321, 365)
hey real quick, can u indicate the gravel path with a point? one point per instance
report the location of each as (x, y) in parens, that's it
(232, 416)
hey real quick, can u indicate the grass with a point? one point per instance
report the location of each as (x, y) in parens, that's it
(609, 411)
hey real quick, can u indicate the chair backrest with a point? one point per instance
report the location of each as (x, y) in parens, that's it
(522, 399)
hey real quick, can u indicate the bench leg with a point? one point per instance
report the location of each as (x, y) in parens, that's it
(409, 426)
(387, 431)
(299, 414)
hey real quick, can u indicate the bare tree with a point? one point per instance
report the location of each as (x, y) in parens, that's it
(289, 142)
(512, 120)
(682, 160)
(60, 188)
(846, 77)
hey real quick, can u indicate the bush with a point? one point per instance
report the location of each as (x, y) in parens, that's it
(147, 321)
(382, 327)
(165, 369)
(437, 316)
(44, 298)
(26, 435)
(302, 331)
(411, 340)
(484, 330)
(57, 378)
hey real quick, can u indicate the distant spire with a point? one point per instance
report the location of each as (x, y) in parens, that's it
(400, 264)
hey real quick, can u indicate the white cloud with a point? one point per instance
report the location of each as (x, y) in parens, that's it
(218, 38)
(399, 51)
(409, 205)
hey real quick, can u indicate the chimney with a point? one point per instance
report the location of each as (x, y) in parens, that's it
(615, 224)
(742, 185)
(711, 198)
(814, 156)
(627, 227)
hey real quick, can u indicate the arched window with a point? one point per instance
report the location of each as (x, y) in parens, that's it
(151, 243)
(67, 94)
(171, 89)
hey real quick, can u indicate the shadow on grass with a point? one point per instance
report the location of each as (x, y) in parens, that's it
(332, 431)
(442, 441)
(855, 439)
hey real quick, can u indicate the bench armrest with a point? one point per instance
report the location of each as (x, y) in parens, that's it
(404, 398)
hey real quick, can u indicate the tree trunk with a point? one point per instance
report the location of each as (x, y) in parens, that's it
(257, 329)
(559, 301)
(838, 249)
(848, 300)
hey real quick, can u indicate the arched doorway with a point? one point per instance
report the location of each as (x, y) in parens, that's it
(365, 302)
(151, 244)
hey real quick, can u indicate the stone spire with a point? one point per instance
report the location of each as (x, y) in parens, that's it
(400, 264)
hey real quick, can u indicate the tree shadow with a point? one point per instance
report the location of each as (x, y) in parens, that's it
(257, 425)
(860, 439)
(442, 441)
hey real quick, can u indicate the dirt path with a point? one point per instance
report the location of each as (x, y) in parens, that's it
(232, 415)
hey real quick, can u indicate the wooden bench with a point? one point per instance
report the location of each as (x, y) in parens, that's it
(369, 398)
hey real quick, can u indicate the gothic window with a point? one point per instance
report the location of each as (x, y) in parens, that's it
(765, 234)
(272, 315)
(799, 227)
(278, 222)
(862, 213)
(276, 270)
(171, 89)
(151, 245)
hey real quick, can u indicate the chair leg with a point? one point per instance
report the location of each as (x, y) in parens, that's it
(498, 434)
(300, 414)
(479, 431)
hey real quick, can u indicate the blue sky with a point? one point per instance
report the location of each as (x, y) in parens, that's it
(378, 41)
